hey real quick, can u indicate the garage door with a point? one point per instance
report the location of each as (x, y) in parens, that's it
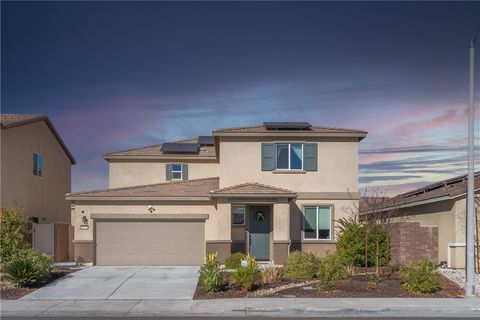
(155, 243)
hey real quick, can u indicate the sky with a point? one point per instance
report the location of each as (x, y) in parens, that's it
(116, 75)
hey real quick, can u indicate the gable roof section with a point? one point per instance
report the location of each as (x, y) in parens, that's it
(262, 130)
(253, 189)
(197, 189)
(154, 151)
(16, 120)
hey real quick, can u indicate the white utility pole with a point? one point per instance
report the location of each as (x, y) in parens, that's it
(470, 246)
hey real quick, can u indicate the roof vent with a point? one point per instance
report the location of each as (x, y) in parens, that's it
(180, 148)
(287, 125)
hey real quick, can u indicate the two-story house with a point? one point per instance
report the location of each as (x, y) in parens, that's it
(264, 190)
(35, 176)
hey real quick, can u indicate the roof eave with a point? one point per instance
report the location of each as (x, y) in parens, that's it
(155, 157)
(360, 135)
(133, 198)
(253, 195)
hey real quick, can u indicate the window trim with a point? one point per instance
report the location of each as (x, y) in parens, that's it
(289, 144)
(176, 171)
(317, 206)
(231, 215)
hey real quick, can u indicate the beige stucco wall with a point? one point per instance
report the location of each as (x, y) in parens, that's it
(240, 162)
(127, 173)
(217, 226)
(42, 197)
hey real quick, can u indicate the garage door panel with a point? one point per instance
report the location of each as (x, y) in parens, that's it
(150, 242)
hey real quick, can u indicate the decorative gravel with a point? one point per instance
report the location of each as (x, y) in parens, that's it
(458, 276)
(270, 291)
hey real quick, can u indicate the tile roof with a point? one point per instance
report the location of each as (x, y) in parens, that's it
(449, 188)
(15, 120)
(263, 129)
(251, 188)
(154, 150)
(189, 188)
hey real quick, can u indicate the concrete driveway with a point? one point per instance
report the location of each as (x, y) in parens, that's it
(122, 283)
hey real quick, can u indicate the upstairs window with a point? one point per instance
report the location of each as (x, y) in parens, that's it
(37, 165)
(176, 171)
(289, 156)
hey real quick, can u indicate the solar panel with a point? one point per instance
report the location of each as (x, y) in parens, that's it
(288, 125)
(179, 148)
(206, 140)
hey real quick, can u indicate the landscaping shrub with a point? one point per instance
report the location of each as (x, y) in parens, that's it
(211, 278)
(234, 260)
(247, 275)
(332, 269)
(300, 265)
(273, 275)
(420, 276)
(14, 233)
(351, 242)
(30, 267)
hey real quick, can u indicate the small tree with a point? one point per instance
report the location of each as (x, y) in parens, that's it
(14, 234)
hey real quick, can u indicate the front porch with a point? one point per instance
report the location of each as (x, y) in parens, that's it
(259, 220)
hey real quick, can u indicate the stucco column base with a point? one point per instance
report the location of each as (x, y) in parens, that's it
(280, 252)
(222, 247)
(83, 251)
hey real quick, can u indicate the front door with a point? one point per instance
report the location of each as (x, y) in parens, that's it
(259, 229)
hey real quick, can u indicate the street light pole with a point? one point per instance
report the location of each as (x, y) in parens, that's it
(470, 246)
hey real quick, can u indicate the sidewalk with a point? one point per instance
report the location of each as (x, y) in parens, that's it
(269, 307)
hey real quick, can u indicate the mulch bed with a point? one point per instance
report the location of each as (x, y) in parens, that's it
(9, 292)
(353, 287)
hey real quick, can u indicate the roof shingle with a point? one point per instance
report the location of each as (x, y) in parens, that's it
(190, 188)
(252, 188)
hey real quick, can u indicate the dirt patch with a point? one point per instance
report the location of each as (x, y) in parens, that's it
(9, 292)
(353, 287)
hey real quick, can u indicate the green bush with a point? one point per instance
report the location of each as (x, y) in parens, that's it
(247, 276)
(211, 278)
(420, 276)
(351, 242)
(29, 268)
(14, 233)
(300, 265)
(234, 260)
(332, 269)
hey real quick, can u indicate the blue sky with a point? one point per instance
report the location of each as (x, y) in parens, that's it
(115, 75)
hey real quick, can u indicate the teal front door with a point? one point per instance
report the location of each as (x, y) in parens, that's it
(259, 229)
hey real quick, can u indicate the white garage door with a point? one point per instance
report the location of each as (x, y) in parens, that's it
(153, 243)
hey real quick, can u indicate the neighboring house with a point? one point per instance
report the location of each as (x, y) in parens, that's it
(265, 190)
(441, 205)
(35, 176)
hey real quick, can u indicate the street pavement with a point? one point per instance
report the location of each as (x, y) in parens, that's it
(260, 307)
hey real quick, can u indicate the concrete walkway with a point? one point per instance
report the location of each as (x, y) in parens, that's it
(293, 307)
(112, 283)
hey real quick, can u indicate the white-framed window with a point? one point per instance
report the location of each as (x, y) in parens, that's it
(177, 170)
(289, 156)
(238, 215)
(317, 223)
(37, 165)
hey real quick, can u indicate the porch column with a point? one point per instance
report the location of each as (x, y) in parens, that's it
(281, 231)
(219, 237)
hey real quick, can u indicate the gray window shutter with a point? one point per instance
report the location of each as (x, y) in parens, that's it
(268, 156)
(168, 171)
(185, 171)
(310, 157)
